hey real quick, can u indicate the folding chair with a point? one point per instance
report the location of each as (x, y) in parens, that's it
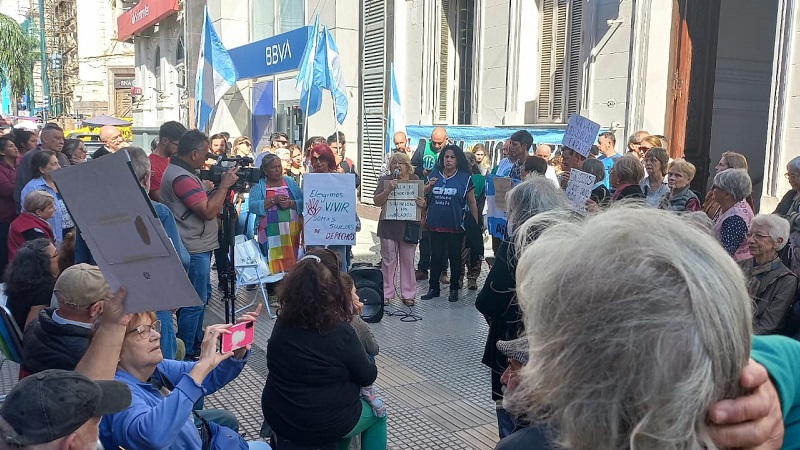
(252, 269)
(10, 340)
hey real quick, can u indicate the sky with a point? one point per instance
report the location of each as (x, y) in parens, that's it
(15, 8)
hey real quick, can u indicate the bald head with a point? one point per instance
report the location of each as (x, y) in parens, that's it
(112, 138)
(438, 139)
(400, 142)
(543, 151)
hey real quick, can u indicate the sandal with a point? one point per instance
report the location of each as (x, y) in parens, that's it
(408, 301)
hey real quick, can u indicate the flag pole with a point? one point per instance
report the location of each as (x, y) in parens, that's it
(308, 97)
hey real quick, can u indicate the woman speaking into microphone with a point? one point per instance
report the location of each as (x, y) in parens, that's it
(451, 192)
(395, 246)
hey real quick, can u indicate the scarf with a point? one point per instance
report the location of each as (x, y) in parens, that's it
(754, 273)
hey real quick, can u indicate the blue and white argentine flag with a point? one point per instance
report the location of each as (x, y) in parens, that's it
(215, 75)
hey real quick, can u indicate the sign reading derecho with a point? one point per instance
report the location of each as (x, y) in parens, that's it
(402, 202)
(329, 209)
(579, 189)
(581, 134)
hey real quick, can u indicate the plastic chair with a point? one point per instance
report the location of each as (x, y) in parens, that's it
(10, 340)
(252, 269)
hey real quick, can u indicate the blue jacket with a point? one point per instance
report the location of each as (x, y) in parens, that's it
(56, 222)
(259, 192)
(157, 422)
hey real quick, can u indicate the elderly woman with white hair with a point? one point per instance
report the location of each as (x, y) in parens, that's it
(615, 363)
(497, 300)
(732, 219)
(789, 209)
(772, 285)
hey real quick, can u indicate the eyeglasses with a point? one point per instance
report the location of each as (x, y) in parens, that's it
(175, 143)
(792, 176)
(146, 331)
(757, 236)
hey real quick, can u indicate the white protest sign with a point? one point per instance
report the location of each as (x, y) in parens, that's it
(402, 202)
(581, 134)
(579, 189)
(329, 208)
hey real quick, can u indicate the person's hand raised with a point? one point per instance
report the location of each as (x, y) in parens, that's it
(209, 357)
(113, 310)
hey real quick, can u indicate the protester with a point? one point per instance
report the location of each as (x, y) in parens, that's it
(771, 284)
(635, 141)
(729, 160)
(317, 366)
(733, 217)
(503, 168)
(600, 193)
(497, 299)
(45, 163)
(608, 321)
(324, 161)
(66, 252)
(655, 186)
(157, 421)
(533, 166)
(645, 145)
(297, 170)
(52, 137)
(625, 177)
(277, 202)
(75, 150)
(397, 255)
(196, 216)
(58, 409)
(8, 210)
(789, 209)
(452, 194)
(479, 150)
(607, 142)
(681, 198)
(25, 141)
(424, 161)
(59, 337)
(518, 151)
(169, 134)
(285, 155)
(472, 250)
(400, 141)
(29, 280)
(112, 141)
(242, 147)
(544, 151)
(32, 223)
(218, 145)
(571, 159)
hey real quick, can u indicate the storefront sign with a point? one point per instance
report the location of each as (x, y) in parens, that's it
(124, 83)
(144, 15)
(281, 53)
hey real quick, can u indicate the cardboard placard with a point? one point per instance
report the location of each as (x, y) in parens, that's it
(579, 189)
(402, 201)
(581, 134)
(124, 234)
(495, 217)
(501, 187)
(329, 208)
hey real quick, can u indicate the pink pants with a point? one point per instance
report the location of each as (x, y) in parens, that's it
(392, 253)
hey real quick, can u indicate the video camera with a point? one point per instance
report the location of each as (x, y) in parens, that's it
(247, 174)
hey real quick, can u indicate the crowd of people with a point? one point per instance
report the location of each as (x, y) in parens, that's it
(674, 342)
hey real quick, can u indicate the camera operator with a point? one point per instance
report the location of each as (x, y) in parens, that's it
(196, 215)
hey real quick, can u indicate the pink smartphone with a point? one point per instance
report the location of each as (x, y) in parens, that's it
(242, 334)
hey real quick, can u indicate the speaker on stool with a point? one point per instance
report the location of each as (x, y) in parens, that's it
(369, 287)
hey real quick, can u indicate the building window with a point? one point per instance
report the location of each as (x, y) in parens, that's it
(466, 25)
(262, 23)
(291, 14)
(157, 69)
(180, 63)
(560, 63)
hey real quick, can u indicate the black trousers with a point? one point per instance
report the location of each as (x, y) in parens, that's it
(425, 253)
(445, 247)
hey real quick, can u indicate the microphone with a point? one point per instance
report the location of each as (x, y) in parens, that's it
(396, 173)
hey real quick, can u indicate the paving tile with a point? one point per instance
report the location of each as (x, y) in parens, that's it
(457, 415)
(484, 437)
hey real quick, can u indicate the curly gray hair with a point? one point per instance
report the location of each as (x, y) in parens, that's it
(735, 182)
(535, 195)
(618, 363)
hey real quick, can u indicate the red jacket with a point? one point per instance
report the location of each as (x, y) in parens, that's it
(8, 178)
(26, 221)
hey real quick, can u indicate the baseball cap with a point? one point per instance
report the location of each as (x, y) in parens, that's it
(515, 349)
(81, 285)
(54, 403)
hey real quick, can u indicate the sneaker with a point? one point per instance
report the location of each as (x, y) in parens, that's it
(421, 275)
(444, 279)
(472, 284)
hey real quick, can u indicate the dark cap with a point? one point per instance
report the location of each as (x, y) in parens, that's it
(523, 137)
(49, 405)
(516, 349)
